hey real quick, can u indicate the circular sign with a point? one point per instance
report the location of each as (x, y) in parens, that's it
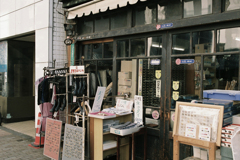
(178, 61)
(155, 114)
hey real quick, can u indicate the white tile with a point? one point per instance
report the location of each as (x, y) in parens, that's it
(25, 20)
(43, 45)
(7, 25)
(23, 3)
(7, 6)
(42, 14)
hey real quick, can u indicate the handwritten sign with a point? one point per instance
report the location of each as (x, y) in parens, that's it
(73, 143)
(138, 112)
(52, 138)
(98, 99)
(124, 104)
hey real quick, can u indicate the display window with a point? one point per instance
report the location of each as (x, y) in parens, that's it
(197, 8)
(231, 5)
(202, 42)
(181, 43)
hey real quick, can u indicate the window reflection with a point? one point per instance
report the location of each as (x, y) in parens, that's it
(87, 51)
(108, 50)
(170, 11)
(181, 43)
(97, 51)
(144, 15)
(123, 48)
(101, 24)
(197, 7)
(228, 39)
(119, 20)
(87, 27)
(232, 5)
(203, 42)
(154, 46)
(138, 47)
(221, 72)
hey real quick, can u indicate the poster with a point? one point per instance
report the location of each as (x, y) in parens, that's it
(98, 99)
(73, 146)
(138, 112)
(52, 138)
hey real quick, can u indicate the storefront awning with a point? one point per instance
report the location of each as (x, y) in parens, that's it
(97, 6)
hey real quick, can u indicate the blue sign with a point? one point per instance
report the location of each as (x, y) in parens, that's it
(187, 61)
(155, 62)
(167, 25)
(3, 68)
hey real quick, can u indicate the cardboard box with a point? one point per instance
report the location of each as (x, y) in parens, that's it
(126, 66)
(236, 119)
(125, 75)
(124, 89)
(124, 82)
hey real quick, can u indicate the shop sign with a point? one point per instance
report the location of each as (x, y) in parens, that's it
(77, 69)
(175, 96)
(161, 26)
(155, 62)
(155, 114)
(72, 54)
(138, 114)
(175, 85)
(158, 88)
(158, 74)
(184, 61)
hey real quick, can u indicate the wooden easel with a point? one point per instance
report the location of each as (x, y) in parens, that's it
(211, 146)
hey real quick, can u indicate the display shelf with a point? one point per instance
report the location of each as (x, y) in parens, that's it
(116, 146)
(97, 137)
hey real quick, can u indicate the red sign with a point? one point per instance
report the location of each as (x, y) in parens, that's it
(77, 69)
(52, 138)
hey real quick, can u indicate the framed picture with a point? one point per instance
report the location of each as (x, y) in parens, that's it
(195, 116)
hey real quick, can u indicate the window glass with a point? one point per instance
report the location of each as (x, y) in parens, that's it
(138, 47)
(203, 42)
(154, 46)
(232, 5)
(86, 50)
(97, 51)
(144, 15)
(119, 20)
(170, 11)
(185, 79)
(181, 43)
(228, 40)
(87, 27)
(123, 48)
(101, 24)
(197, 7)
(221, 72)
(108, 50)
(104, 73)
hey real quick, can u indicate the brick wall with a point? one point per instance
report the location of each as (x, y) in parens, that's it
(59, 48)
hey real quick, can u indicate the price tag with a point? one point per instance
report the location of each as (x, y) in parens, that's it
(55, 114)
(74, 98)
(51, 85)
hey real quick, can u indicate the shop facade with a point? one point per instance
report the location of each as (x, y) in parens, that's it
(176, 49)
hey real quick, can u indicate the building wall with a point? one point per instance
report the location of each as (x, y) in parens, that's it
(20, 17)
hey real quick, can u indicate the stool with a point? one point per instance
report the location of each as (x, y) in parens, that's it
(142, 131)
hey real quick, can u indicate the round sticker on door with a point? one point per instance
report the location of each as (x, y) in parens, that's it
(155, 114)
(178, 61)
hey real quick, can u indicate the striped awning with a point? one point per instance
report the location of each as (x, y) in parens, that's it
(97, 6)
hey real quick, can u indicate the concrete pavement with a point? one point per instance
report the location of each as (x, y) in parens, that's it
(14, 146)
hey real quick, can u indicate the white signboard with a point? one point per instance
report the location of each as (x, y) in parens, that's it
(158, 88)
(138, 111)
(77, 69)
(98, 99)
(124, 104)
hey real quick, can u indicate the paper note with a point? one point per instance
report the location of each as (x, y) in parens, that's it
(191, 130)
(204, 133)
(98, 99)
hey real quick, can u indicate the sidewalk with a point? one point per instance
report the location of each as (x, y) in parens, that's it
(14, 146)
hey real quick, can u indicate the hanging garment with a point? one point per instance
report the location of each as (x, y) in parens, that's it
(93, 84)
(54, 94)
(45, 110)
(103, 76)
